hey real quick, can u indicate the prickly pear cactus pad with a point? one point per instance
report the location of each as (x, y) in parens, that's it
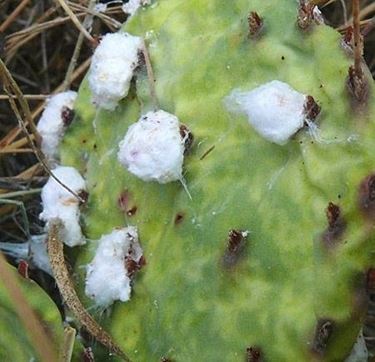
(270, 249)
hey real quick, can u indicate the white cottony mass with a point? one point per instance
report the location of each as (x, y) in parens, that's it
(55, 118)
(59, 203)
(275, 109)
(153, 148)
(34, 251)
(108, 274)
(112, 68)
(133, 5)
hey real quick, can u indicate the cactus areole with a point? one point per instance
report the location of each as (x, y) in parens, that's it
(267, 257)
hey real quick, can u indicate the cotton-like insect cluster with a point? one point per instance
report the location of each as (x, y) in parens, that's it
(59, 203)
(55, 118)
(112, 68)
(153, 148)
(109, 274)
(132, 6)
(275, 110)
(34, 251)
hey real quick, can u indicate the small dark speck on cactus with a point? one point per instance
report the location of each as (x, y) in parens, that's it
(67, 116)
(308, 13)
(84, 196)
(187, 138)
(253, 354)
(255, 24)
(311, 108)
(235, 247)
(336, 225)
(125, 203)
(323, 333)
(141, 60)
(206, 153)
(358, 87)
(333, 214)
(133, 266)
(123, 200)
(368, 325)
(179, 218)
(132, 211)
(348, 37)
(304, 14)
(367, 196)
(165, 359)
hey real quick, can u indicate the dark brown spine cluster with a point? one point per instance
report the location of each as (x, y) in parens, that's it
(67, 116)
(133, 266)
(165, 359)
(367, 197)
(336, 225)
(253, 354)
(369, 322)
(357, 86)
(83, 197)
(255, 23)
(126, 204)
(357, 82)
(348, 37)
(179, 218)
(323, 332)
(235, 247)
(305, 14)
(311, 108)
(187, 137)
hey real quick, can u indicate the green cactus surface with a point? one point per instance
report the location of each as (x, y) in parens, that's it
(187, 303)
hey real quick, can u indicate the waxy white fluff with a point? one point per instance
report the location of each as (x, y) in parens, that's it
(112, 68)
(133, 5)
(60, 203)
(34, 251)
(359, 351)
(275, 110)
(153, 149)
(38, 253)
(51, 125)
(107, 278)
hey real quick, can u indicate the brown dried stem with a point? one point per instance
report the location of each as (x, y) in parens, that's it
(77, 49)
(13, 16)
(60, 272)
(75, 20)
(358, 45)
(150, 76)
(104, 17)
(35, 97)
